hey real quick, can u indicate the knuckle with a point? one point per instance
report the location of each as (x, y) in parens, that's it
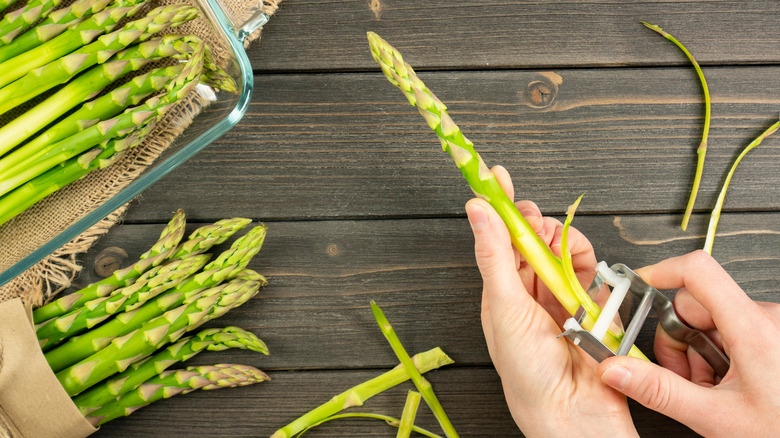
(655, 393)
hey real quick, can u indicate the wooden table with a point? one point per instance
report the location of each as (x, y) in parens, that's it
(361, 203)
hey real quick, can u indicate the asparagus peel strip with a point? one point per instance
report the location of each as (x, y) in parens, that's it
(149, 285)
(170, 383)
(422, 384)
(72, 39)
(357, 395)
(169, 239)
(57, 22)
(184, 349)
(62, 69)
(701, 151)
(715, 215)
(86, 86)
(83, 346)
(547, 266)
(15, 22)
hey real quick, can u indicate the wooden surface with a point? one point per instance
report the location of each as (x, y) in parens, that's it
(362, 204)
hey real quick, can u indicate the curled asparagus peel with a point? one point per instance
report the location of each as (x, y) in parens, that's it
(422, 384)
(357, 395)
(701, 151)
(715, 216)
(545, 264)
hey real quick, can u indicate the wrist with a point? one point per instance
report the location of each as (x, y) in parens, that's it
(548, 424)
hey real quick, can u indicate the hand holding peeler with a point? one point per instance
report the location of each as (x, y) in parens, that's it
(623, 280)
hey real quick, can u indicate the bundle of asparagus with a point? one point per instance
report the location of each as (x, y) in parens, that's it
(70, 66)
(110, 343)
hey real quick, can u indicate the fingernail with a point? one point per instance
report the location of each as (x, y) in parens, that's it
(616, 377)
(477, 215)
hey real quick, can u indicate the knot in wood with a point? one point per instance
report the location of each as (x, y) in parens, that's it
(109, 260)
(541, 94)
(333, 249)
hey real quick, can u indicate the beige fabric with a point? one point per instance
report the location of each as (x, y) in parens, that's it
(49, 217)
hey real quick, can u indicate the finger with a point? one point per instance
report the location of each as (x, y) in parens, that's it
(532, 215)
(733, 312)
(504, 180)
(671, 353)
(487, 326)
(661, 390)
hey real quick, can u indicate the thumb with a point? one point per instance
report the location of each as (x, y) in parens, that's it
(492, 248)
(659, 389)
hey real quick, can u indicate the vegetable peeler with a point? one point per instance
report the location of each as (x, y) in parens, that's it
(624, 280)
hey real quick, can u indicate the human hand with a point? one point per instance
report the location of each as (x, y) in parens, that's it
(551, 386)
(746, 401)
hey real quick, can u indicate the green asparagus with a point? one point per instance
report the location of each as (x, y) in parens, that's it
(138, 344)
(57, 22)
(184, 349)
(81, 347)
(62, 69)
(79, 35)
(169, 239)
(150, 284)
(210, 235)
(85, 86)
(15, 22)
(170, 383)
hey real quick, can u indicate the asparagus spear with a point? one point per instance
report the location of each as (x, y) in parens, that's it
(356, 396)
(547, 266)
(150, 284)
(170, 383)
(210, 235)
(152, 109)
(73, 38)
(169, 239)
(139, 343)
(17, 21)
(83, 346)
(5, 3)
(56, 23)
(208, 339)
(87, 85)
(62, 69)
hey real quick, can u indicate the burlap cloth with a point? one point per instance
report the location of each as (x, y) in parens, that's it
(49, 217)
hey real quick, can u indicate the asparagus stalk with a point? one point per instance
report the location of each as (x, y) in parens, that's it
(137, 345)
(170, 383)
(547, 266)
(17, 21)
(169, 239)
(87, 85)
(184, 349)
(422, 384)
(73, 38)
(56, 23)
(149, 285)
(357, 395)
(210, 235)
(83, 346)
(406, 423)
(5, 3)
(152, 109)
(62, 69)
(104, 107)
(395, 422)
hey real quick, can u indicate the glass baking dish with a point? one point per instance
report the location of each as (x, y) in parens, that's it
(220, 115)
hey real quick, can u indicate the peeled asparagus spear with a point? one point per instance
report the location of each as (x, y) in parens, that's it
(15, 22)
(81, 347)
(152, 109)
(170, 383)
(149, 285)
(184, 349)
(86, 86)
(169, 239)
(62, 69)
(547, 266)
(73, 38)
(140, 343)
(56, 23)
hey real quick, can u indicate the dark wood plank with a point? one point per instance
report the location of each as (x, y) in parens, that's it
(319, 35)
(472, 398)
(350, 146)
(422, 272)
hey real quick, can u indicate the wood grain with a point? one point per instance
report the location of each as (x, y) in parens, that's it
(445, 34)
(350, 146)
